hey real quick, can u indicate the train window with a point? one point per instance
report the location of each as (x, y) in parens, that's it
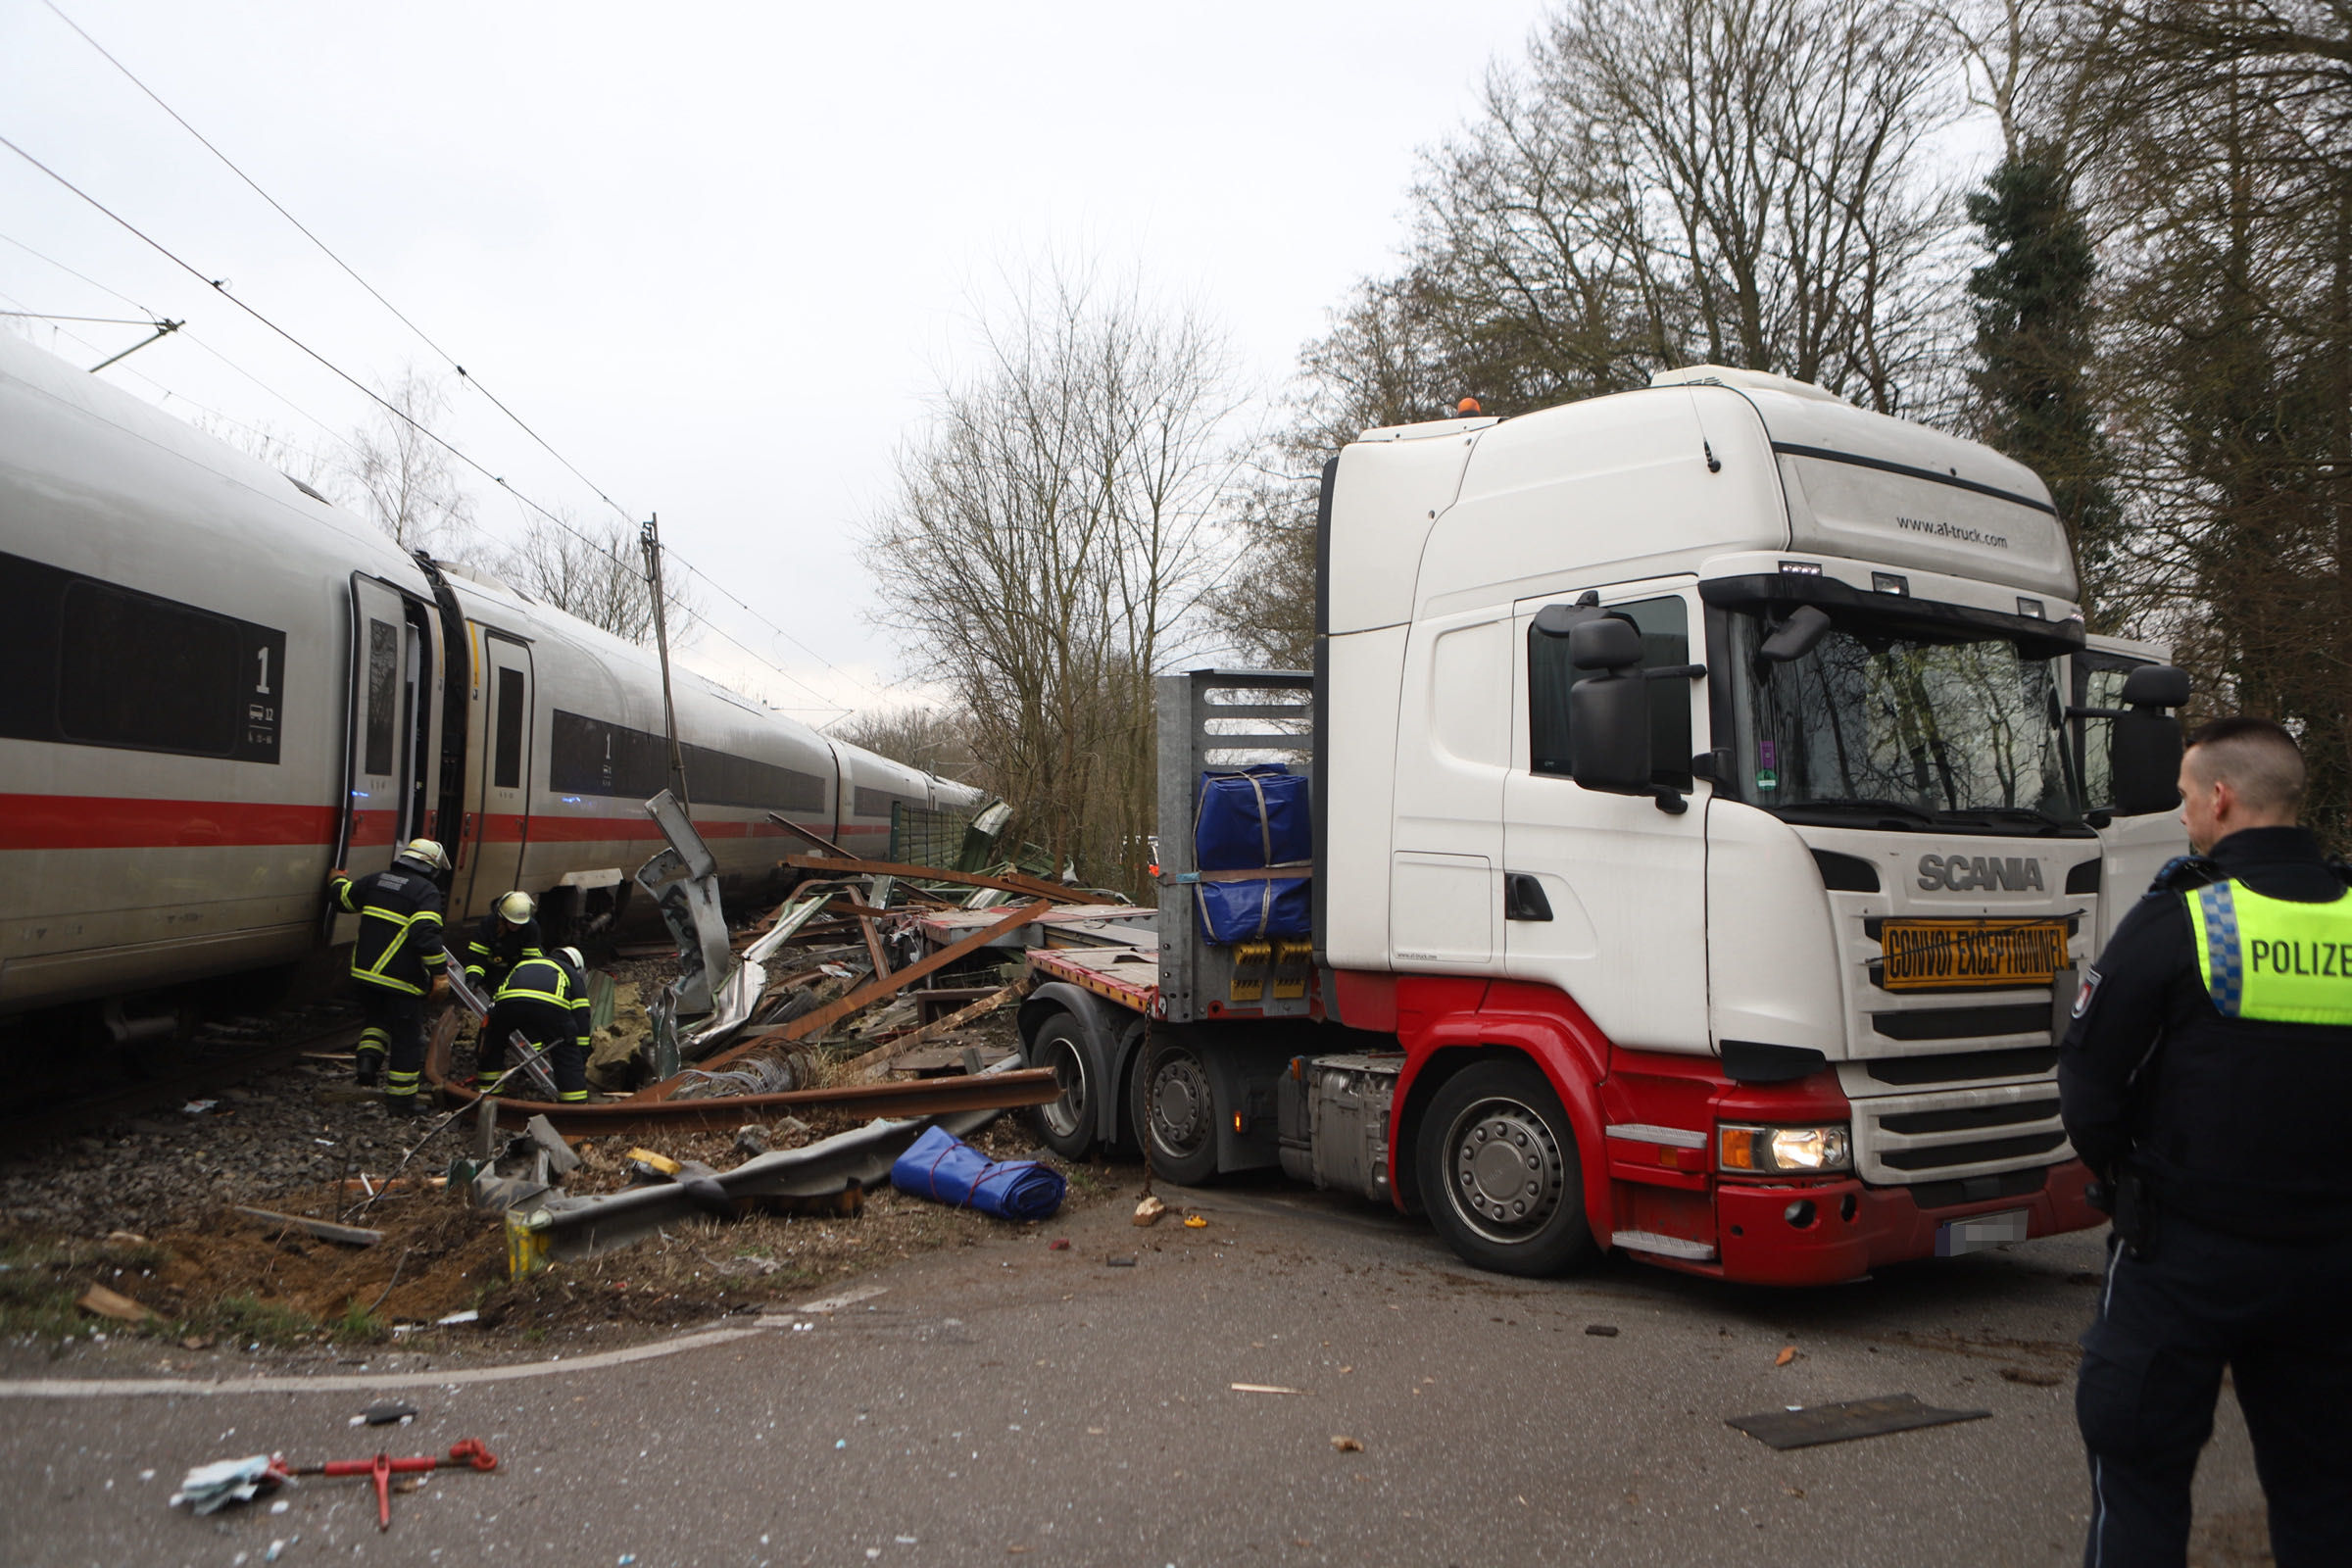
(507, 772)
(91, 664)
(145, 672)
(589, 757)
(383, 695)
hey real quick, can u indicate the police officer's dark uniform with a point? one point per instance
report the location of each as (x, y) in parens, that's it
(545, 999)
(2208, 1078)
(398, 952)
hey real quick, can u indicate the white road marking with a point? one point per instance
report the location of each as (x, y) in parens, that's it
(123, 1387)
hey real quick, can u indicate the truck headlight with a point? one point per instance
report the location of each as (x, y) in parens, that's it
(1784, 1151)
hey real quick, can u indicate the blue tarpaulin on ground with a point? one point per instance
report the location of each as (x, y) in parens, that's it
(943, 1167)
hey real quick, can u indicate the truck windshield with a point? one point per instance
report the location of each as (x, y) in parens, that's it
(1923, 725)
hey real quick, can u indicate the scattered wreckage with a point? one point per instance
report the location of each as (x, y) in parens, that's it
(815, 1009)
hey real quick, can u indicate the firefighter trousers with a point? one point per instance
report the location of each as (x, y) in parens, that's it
(566, 1060)
(395, 1027)
(2271, 1312)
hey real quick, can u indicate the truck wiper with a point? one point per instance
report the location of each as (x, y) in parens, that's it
(1865, 802)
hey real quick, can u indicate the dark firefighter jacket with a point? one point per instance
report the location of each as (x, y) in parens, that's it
(498, 944)
(545, 999)
(399, 946)
(2236, 1123)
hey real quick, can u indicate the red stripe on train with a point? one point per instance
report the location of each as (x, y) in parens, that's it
(118, 822)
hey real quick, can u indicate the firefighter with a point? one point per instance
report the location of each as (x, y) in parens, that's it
(2204, 1081)
(545, 1000)
(506, 935)
(395, 962)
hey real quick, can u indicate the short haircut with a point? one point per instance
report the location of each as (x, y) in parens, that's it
(2257, 758)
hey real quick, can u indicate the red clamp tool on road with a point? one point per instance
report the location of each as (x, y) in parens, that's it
(467, 1453)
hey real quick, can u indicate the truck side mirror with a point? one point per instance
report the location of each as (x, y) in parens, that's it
(2156, 686)
(2143, 746)
(1604, 642)
(1794, 637)
(1609, 711)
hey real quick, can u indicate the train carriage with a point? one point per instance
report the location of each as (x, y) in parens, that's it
(219, 686)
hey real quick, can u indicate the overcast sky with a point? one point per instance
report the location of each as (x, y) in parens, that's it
(719, 256)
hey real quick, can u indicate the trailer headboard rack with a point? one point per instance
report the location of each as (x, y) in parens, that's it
(1225, 719)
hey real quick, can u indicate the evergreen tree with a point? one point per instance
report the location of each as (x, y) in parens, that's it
(2033, 346)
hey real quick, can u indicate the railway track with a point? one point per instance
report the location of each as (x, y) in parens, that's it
(218, 1056)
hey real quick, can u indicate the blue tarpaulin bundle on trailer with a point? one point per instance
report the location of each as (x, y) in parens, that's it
(1254, 843)
(943, 1167)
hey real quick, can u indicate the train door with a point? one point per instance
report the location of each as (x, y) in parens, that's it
(386, 760)
(498, 825)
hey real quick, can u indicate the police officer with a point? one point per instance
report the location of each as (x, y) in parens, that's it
(545, 999)
(506, 935)
(394, 962)
(2207, 1080)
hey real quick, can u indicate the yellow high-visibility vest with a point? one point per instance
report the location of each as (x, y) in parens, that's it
(2274, 960)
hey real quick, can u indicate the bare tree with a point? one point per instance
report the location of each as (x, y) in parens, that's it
(1666, 181)
(2223, 187)
(1048, 542)
(936, 740)
(1659, 183)
(596, 572)
(277, 448)
(405, 480)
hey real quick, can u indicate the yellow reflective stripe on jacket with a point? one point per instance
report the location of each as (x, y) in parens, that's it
(2274, 960)
(395, 945)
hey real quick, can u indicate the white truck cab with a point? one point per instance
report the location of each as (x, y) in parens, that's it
(1699, 812)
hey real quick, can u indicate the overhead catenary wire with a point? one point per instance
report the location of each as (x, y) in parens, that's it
(349, 270)
(71, 273)
(332, 434)
(389, 407)
(93, 320)
(451, 360)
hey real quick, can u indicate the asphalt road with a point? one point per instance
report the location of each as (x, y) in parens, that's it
(1009, 1404)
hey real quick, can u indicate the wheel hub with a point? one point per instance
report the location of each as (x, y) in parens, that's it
(1508, 1173)
(1180, 1104)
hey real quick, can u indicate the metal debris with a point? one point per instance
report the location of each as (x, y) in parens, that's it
(1846, 1421)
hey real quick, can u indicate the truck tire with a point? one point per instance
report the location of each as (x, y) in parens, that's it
(1066, 1125)
(1176, 1113)
(1497, 1167)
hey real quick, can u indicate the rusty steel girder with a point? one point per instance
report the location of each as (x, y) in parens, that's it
(920, 1097)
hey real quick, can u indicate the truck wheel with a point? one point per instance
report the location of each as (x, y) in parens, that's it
(1066, 1125)
(1176, 1114)
(1498, 1171)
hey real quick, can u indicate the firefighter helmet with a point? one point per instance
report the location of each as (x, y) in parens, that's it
(426, 854)
(571, 955)
(517, 908)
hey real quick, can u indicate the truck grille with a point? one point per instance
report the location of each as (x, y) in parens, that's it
(2032, 1061)
(1953, 1134)
(1964, 1023)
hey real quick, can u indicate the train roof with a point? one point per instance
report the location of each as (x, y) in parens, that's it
(60, 417)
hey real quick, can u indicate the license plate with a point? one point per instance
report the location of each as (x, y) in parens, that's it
(1956, 1237)
(1970, 954)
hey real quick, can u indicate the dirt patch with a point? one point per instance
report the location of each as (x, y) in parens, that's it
(225, 1282)
(147, 1209)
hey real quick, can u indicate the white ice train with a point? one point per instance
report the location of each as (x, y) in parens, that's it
(214, 686)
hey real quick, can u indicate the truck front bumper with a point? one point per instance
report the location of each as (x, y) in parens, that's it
(1765, 1235)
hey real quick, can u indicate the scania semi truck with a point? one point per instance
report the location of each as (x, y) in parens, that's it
(1713, 798)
